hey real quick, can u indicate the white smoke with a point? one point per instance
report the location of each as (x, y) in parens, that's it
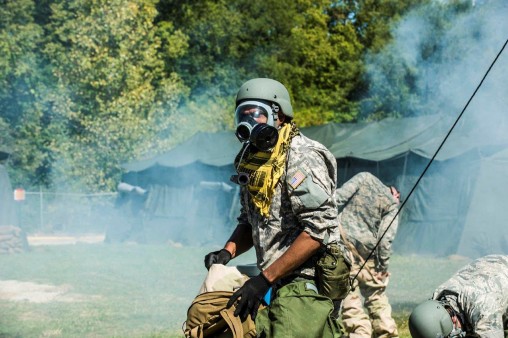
(446, 53)
(437, 60)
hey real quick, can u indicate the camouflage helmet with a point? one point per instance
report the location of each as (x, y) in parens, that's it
(430, 319)
(268, 90)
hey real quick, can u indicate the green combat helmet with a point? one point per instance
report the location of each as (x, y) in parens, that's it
(430, 320)
(266, 89)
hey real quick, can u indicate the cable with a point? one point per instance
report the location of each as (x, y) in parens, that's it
(430, 162)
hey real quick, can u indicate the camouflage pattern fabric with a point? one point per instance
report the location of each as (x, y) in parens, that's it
(303, 200)
(366, 208)
(370, 292)
(479, 291)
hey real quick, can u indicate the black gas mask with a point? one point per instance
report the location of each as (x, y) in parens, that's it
(263, 136)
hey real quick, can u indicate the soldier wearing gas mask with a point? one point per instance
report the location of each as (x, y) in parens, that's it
(289, 215)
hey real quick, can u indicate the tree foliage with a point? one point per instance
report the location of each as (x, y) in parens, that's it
(110, 96)
(22, 87)
(86, 85)
(402, 76)
(291, 41)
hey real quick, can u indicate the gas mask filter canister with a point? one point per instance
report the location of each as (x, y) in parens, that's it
(261, 135)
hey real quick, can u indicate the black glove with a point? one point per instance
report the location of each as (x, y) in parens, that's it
(217, 257)
(251, 294)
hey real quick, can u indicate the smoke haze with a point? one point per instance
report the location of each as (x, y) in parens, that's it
(447, 60)
(445, 54)
(197, 207)
(440, 56)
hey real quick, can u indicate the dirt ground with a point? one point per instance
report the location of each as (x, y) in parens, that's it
(64, 239)
(13, 290)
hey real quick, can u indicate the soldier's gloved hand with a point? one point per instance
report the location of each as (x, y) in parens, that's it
(217, 257)
(251, 294)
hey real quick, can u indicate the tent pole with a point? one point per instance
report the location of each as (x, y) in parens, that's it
(345, 169)
(404, 170)
(41, 209)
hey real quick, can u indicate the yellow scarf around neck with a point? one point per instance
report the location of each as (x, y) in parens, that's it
(265, 169)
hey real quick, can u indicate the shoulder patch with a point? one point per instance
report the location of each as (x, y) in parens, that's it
(297, 179)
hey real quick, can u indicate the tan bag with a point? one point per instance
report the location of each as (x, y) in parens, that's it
(208, 317)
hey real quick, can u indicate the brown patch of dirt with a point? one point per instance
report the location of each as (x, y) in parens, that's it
(63, 240)
(17, 291)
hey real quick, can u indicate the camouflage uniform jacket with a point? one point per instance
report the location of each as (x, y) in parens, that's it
(297, 205)
(479, 291)
(366, 208)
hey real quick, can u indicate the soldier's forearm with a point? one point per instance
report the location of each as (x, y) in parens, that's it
(300, 251)
(240, 241)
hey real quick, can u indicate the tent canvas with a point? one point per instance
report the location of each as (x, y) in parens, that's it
(395, 150)
(485, 228)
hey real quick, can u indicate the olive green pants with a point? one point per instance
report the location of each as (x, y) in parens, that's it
(297, 311)
(369, 293)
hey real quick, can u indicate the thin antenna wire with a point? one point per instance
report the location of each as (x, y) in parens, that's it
(430, 162)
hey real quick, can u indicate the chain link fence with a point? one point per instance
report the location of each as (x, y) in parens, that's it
(69, 213)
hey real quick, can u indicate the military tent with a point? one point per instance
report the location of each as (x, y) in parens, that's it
(188, 192)
(189, 188)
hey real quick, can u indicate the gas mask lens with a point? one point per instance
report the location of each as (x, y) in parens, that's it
(247, 115)
(255, 123)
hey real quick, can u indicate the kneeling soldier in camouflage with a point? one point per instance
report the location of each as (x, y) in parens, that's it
(472, 303)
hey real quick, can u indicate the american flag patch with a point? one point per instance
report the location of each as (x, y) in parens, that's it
(297, 179)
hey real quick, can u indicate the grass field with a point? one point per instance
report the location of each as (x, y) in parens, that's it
(129, 290)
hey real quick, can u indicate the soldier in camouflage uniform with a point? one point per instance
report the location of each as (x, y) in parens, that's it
(288, 213)
(472, 303)
(367, 207)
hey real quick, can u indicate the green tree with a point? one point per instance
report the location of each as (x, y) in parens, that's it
(292, 41)
(213, 65)
(23, 85)
(88, 84)
(402, 76)
(6, 139)
(373, 23)
(372, 19)
(319, 61)
(111, 86)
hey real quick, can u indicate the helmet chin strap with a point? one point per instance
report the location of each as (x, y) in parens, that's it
(457, 331)
(275, 115)
(275, 118)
